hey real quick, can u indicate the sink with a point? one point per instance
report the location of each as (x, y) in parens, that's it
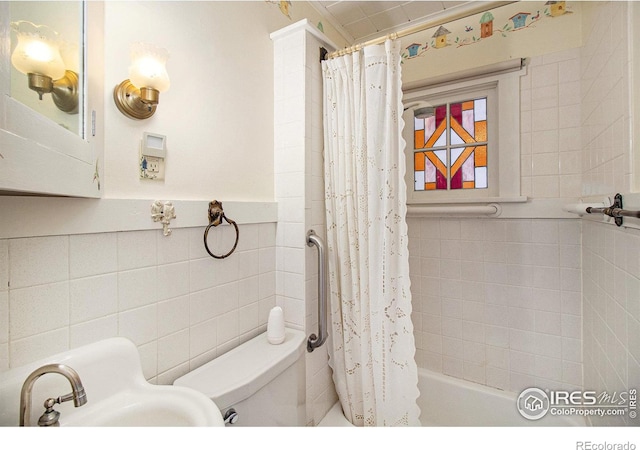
(117, 393)
(157, 407)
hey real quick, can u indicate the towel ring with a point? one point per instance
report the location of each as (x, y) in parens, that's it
(216, 214)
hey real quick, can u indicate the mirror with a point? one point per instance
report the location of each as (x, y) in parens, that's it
(43, 149)
(61, 22)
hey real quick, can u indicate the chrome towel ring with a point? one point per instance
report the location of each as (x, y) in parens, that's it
(216, 214)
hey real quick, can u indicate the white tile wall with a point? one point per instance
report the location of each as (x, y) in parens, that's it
(611, 312)
(606, 158)
(550, 126)
(300, 194)
(177, 304)
(497, 302)
(611, 265)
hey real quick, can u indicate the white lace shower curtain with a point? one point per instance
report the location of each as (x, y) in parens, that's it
(373, 348)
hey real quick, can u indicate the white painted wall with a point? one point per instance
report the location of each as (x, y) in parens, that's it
(218, 113)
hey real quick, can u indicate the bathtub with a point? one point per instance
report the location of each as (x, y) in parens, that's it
(447, 402)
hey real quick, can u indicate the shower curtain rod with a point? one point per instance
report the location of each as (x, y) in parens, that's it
(470, 10)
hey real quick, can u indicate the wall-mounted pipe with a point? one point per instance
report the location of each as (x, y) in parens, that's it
(316, 341)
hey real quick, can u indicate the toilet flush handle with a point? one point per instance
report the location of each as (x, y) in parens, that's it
(231, 416)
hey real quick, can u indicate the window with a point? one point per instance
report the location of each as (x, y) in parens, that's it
(463, 141)
(450, 146)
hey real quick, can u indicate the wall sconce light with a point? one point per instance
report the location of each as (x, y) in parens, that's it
(37, 55)
(138, 96)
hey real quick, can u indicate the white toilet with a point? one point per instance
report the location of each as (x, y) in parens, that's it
(256, 383)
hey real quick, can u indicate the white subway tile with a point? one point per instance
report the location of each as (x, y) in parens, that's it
(173, 315)
(203, 305)
(474, 372)
(451, 327)
(33, 348)
(548, 323)
(38, 309)
(452, 367)
(571, 279)
(38, 260)
(137, 249)
(249, 237)
(545, 119)
(544, 75)
(546, 141)
(522, 319)
(139, 325)
(84, 333)
(545, 186)
(202, 274)
(196, 243)
(571, 349)
(544, 97)
(497, 336)
(173, 280)
(93, 297)
(497, 378)
(249, 290)
(547, 345)
(249, 318)
(173, 248)
(452, 347)
(549, 368)
(203, 337)
(92, 254)
(173, 350)
(546, 277)
(137, 288)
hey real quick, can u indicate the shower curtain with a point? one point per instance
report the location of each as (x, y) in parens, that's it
(373, 348)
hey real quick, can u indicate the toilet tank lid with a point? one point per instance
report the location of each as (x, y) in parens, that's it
(242, 371)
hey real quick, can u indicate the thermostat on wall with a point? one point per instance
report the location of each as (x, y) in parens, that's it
(154, 145)
(153, 151)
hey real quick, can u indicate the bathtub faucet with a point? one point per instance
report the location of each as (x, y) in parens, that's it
(50, 416)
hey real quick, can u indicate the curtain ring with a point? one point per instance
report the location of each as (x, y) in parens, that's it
(216, 214)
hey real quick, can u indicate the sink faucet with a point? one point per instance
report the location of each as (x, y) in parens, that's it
(50, 417)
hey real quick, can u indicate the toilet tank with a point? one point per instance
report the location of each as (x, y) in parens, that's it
(262, 382)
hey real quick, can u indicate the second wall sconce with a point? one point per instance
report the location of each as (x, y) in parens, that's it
(138, 96)
(37, 55)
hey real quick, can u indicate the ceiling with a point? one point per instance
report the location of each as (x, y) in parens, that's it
(359, 21)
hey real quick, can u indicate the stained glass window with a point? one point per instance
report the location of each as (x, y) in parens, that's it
(451, 147)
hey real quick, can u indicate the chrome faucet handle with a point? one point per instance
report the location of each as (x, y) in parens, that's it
(50, 416)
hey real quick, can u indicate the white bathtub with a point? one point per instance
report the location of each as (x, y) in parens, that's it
(446, 401)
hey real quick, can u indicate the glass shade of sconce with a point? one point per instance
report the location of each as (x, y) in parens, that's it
(37, 55)
(138, 97)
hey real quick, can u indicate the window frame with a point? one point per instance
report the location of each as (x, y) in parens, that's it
(503, 144)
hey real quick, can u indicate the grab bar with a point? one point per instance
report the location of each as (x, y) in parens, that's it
(490, 210)
(615, 211)
(316, 341)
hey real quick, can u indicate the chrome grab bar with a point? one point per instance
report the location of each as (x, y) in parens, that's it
(316, 341)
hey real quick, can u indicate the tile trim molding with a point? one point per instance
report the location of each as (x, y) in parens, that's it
(53, 216)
